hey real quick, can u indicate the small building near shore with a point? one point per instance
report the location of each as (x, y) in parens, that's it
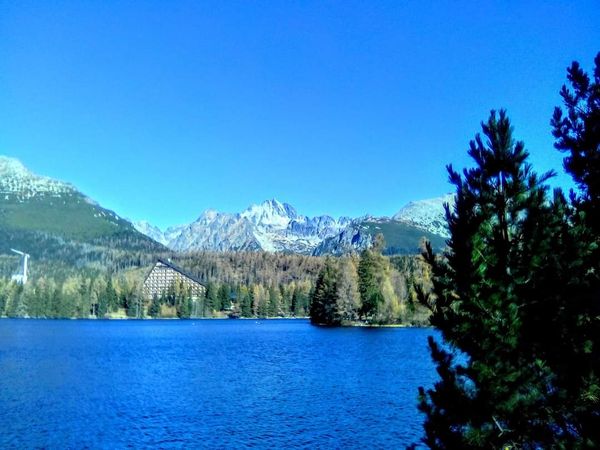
(165, 275)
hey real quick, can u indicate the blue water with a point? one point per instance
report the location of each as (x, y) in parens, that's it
(209, 383)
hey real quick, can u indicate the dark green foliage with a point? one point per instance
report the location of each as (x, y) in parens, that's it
(370, 292)
(110, 296)
(154, 307)
(502, 297)
(3, 297)
(323, 308)
(184, 307)
(224, 296)
(133, 304)
(212, 298)
(71, 216)
(294, 303)
(265, 285)
(300, 302)
(577, 133)
(222, 273)
(262, 309)
(285, 300)
(274, 302)
(245, 303)
(103, 306)
(71, 232)
(14, 301)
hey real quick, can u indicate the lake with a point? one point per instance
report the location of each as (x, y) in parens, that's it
(209, 383)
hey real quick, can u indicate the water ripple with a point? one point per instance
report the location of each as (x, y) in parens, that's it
(209, 384)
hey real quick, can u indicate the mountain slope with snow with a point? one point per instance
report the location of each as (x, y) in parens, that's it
(427, 215)
(271, 226)
(43, 216)
(277, 227)
(400, 238)
(32, 205)
(18, 182)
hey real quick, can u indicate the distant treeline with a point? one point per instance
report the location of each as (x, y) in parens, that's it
(369, 288)
(241, 284)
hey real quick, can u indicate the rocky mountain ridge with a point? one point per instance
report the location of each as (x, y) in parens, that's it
(277, 227)
(426, 214)
(271, 226)
(37, 204)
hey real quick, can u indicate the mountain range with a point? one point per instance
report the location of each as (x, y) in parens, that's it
(277, 227)
(38, 213)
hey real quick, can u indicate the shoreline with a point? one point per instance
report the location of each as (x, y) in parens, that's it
(350, 325)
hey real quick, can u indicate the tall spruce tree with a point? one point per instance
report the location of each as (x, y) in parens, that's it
(498, 293)
(370, 268)
(577, 132)
(324, 300)
(370, 292)
(224, 297)
(348, 296)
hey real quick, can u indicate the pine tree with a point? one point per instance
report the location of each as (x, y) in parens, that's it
(224, 297)
(294, 306)
(262, 302)
(111, 297)
(577, 133)
(184, 307)
(212, 299)
(369, 272)
(274, 302)
(154, 307)
(245, 302)
(102, 299)
(324, 300)
(348, 296)
(499, 281)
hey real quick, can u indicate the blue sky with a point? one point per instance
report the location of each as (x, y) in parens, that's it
(160, 110)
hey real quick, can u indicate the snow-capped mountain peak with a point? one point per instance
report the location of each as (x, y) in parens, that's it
(209, 215)
(271, 225)
(277, 227)
(426, 214)
(13, 167)
(270, 213)
(16, 179)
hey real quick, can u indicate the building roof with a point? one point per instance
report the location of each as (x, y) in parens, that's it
(176, 268)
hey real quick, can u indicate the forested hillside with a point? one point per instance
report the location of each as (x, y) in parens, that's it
(252, 284)
(369, 289)
(61, 228)
(87, 261)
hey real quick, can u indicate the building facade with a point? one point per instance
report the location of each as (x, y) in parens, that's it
(165, 275)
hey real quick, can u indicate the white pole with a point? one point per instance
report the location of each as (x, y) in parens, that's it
(25, 259)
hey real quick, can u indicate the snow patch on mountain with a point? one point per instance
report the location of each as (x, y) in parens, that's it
(16, 180)
(270, 214)
(428, 215)
(277, 227)
(151, 231)
(20, 186)
(352, 238)
(271, 226)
